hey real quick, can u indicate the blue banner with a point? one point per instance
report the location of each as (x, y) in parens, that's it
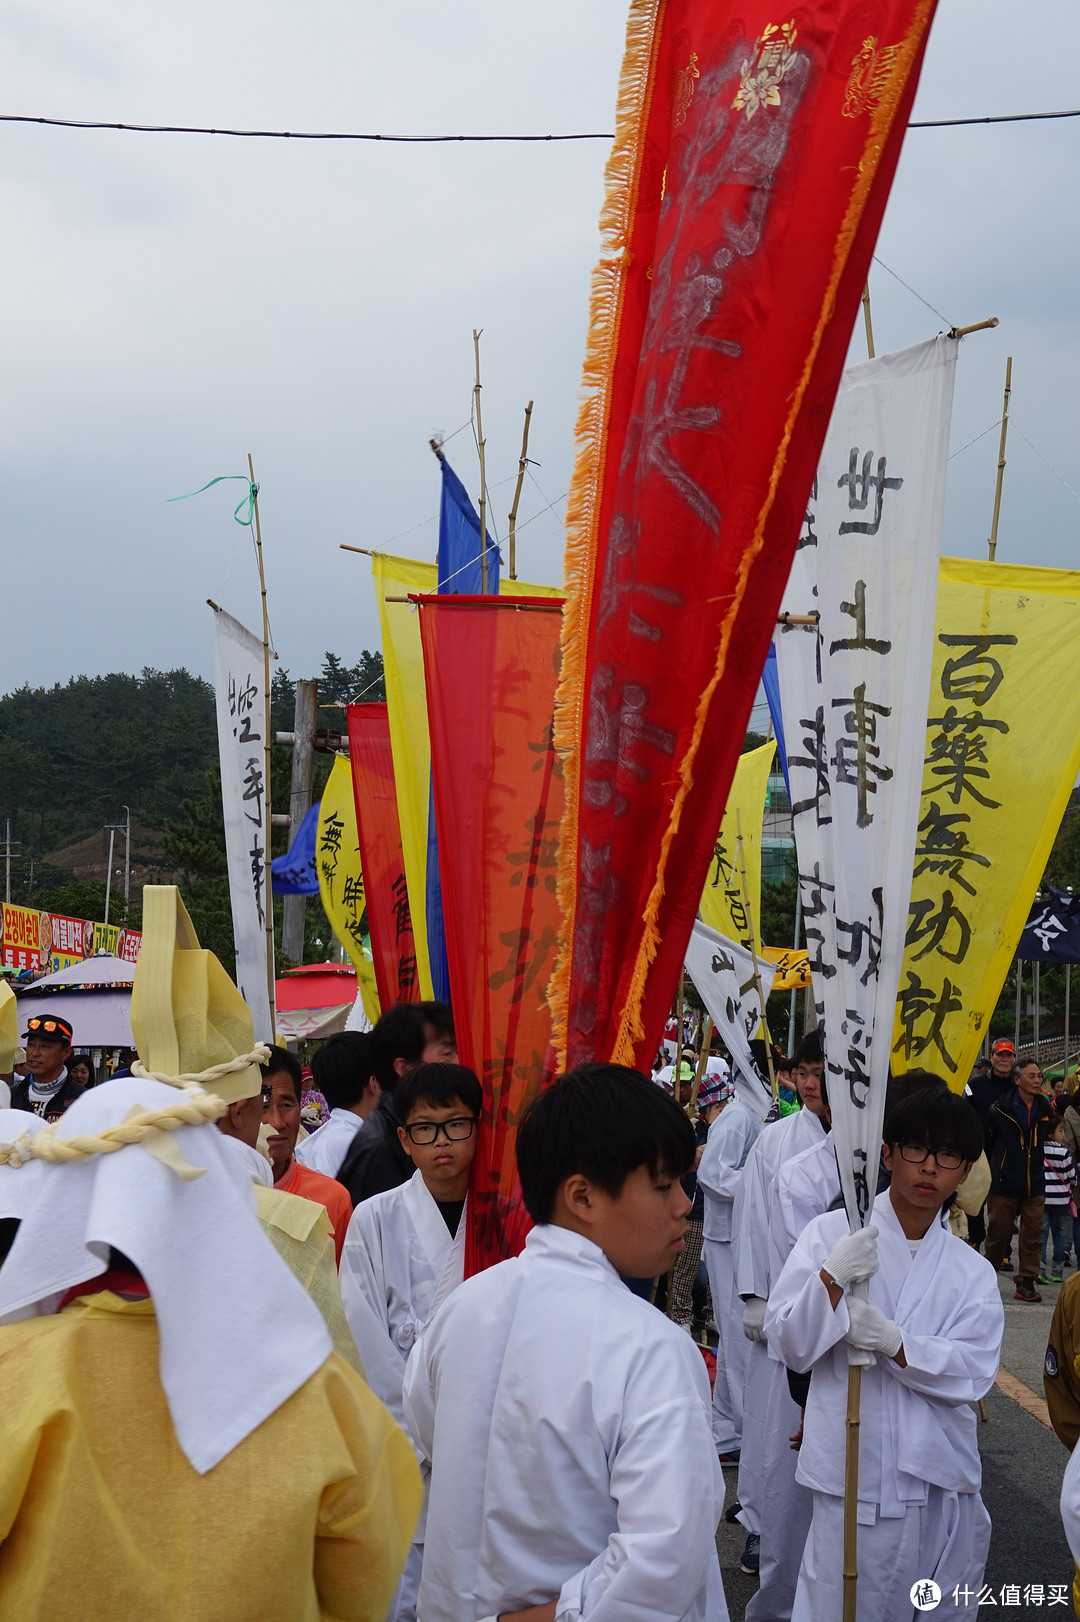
(295, 873)
(459, 542)
(1052, 932)
(771, 683)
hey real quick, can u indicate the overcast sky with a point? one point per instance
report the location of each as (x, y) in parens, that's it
(172, 302)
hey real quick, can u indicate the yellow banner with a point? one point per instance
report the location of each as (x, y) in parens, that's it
(406, 703)
(1002, 754)
(722, 906)
(792, 966)
(341, 881)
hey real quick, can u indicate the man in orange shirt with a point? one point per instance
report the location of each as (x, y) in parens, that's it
(281, 1115)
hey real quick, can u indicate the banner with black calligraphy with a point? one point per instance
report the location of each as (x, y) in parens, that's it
(1002, 754)
(341, 878)
(731, 899)
(854, 690)
(241, 729)
(393, 948)
(723, 972)
(490, 667)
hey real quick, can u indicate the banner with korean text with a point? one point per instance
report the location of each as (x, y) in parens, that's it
(393, 948)
(753, 156)
(341, 877)
(491, 666)
(854, 691)
(241, 729)
(723, 972)
(723, 905)
(403, 665)
(1002, 752)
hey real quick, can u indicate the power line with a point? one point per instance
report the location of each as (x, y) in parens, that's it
(413, 140)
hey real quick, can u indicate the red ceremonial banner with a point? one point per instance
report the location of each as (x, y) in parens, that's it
(752, 162)
(389, 920)
(490, 668)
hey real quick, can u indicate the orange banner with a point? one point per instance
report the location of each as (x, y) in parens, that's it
(752, 162)
(393, 948)
(490, 666)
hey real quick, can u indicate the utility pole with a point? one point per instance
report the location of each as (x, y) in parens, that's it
(7, 857)
(127, 862)
(110, 828)
(303, 761)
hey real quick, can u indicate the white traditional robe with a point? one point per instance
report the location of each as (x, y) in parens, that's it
(918, 1455)
(731, 1137)
(569, 1428)
(750, 1266)
(803, 1188)
(398, 1265)
(326, 1148)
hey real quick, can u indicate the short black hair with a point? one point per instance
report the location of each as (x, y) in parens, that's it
(903, 1085)
(601, 1121)
(341, 1068)
(809, 1050)
(401, 1033)
(939, 1118)
(281, 1059)
(437, 1085)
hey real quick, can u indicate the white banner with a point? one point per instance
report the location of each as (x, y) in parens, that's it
(854, 691)
(723, 972)
(241, 723)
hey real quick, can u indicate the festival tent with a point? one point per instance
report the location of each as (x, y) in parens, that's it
(92, 971)
(315, 1000)
(100, 1017)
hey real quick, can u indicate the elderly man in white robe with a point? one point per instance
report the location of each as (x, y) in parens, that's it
(777, 1143)
(567, 1422)
(731, 1137)
(933, 1324)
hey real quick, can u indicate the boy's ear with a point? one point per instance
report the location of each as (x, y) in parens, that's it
(405, 1141)
(967, 1171)
(577, 1193)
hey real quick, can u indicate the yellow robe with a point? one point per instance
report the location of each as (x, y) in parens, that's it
(301, 1233)
(102, 1518)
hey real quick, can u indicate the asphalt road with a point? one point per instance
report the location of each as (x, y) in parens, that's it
(1023, 1463)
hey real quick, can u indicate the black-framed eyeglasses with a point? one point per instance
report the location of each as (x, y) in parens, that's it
(917, 1153)
(457, 1130)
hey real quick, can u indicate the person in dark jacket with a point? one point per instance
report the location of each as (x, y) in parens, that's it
(407, 1034)
(1016, 1128)
(46, 1089)
(986, 1086)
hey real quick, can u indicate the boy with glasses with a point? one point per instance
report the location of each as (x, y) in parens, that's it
(405, 1248)
(932, 1319)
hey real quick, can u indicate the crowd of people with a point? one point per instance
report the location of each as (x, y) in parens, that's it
(252, 1380)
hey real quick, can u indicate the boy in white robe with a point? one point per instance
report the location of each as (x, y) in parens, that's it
(567, 1422)
(934, 1321)
(405, 1249)
(731, 1136)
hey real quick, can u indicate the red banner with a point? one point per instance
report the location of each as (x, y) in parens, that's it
(750, 170)
(393, 950)
(490, 668)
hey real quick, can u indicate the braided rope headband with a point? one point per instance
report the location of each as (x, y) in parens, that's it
(142, 1125)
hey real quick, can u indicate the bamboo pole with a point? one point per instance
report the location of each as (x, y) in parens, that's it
(703, 1059)
(680, 1008)
(522, 464)
(753, 955)
(851, 1492)
(869, 325)
(781, 619)
(976, 326)
(480, 443)
(992, 542)
(270, 988)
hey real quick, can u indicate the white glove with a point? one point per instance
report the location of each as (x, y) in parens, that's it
(753, 1319)
(853, 1258)
(870, 1330)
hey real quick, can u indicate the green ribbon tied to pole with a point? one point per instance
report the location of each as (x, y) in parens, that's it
(245, 501)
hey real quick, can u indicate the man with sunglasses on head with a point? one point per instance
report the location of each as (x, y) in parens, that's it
(405, 1249)
(46, 1089)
